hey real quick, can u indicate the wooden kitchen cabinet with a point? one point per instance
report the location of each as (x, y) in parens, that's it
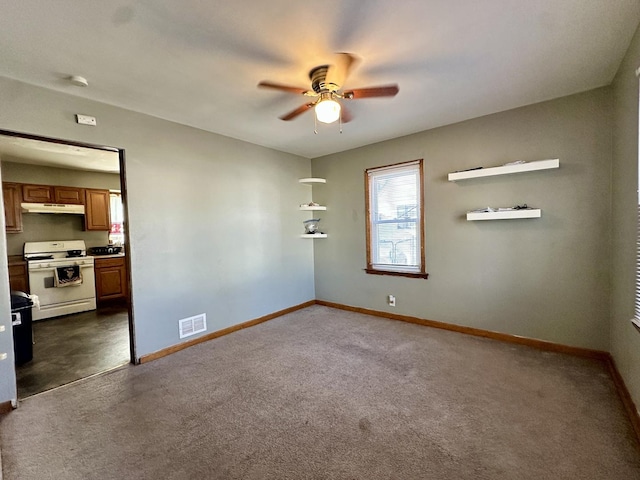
(11, 193)
(96, 205)
(37, 193)
(18, 275)
(68, 195)
(111, 279)
(52, 194)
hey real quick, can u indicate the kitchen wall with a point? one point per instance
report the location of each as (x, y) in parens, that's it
(625, 340)
(45, 227)
(214, 226)
(544, 278)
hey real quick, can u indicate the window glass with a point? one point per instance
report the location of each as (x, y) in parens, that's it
(116, 211)
(395, 219)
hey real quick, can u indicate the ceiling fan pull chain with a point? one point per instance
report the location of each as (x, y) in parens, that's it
(315, 124)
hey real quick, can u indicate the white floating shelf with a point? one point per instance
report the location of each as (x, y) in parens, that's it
(318, 207)
(312, 180)
(314, 235)
(505, 169)
(505, 215)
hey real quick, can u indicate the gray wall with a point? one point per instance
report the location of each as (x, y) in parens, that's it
(42, 228)
(544, 278)
(625, 341)
(214, 225)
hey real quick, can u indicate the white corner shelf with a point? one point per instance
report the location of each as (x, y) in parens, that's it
(505, 169)
(307, 208)
(505, 215)
(317, 207)
(310, 181)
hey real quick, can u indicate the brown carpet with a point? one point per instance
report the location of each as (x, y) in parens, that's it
(327, 394)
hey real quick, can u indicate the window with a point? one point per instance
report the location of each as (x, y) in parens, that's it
(395, 220)
(116, 234)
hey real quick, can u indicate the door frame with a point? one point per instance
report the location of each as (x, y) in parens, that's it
(125, 206)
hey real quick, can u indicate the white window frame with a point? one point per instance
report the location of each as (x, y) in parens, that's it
(116, 214)
(373, 265)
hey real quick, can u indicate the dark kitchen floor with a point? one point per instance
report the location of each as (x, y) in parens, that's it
(73, 347)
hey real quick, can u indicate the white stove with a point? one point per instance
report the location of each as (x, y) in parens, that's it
(62, 276)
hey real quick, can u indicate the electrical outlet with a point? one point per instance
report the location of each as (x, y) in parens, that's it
(86, 120)
(391, 300)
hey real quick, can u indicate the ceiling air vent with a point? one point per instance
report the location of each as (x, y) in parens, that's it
(192, 325)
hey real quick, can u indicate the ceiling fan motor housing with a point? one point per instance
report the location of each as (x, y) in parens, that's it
(318, 77)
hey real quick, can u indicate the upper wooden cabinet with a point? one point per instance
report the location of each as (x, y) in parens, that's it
(52, 194)
(70, 195)
(11, 193)
(96, 214)
(37, 193)
(96, 203)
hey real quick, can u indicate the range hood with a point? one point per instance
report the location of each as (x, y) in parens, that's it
(52, 208)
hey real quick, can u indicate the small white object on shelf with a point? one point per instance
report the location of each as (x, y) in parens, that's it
(505, 169)
(311, 180)
(312, 207)
(314, 235)
(505, 214)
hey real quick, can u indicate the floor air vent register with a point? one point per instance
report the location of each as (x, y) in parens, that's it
(192, 325)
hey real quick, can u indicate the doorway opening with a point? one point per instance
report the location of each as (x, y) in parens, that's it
(69, 340)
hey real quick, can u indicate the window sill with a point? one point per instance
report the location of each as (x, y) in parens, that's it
(396, 274)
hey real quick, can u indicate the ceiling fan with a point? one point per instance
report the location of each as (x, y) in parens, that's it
(327, 82)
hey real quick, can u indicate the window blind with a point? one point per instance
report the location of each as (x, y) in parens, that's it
(394, 218)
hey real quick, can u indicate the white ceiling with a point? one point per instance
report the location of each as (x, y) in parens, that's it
(198, 63)
(57, 155)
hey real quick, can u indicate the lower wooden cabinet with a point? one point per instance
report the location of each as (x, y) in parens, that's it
(18, 275)
(111, 279)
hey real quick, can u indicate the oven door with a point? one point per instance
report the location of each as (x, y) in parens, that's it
(55, 301)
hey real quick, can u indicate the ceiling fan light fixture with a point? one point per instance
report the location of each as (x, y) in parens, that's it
(327, 110)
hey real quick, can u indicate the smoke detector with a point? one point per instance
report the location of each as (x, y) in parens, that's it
(78, 81)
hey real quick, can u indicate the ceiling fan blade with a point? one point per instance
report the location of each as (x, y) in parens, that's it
(345, 115)
(381, 91)
(339, 70)
(294, 113)
(284, 88)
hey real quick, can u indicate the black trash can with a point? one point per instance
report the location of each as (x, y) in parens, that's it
(21, 305)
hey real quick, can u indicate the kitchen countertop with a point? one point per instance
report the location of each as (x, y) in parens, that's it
(16, 260)
(112, 255)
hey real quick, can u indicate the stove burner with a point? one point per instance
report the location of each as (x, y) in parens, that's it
(70, 255)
